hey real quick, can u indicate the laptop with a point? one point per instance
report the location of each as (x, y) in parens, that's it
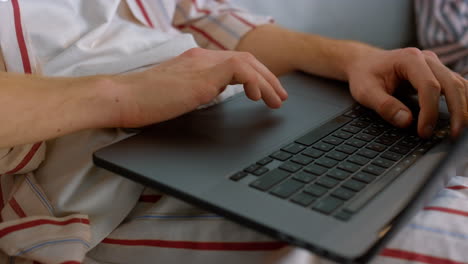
(321, 173)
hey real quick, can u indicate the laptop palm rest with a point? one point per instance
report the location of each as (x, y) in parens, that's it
(198, 148)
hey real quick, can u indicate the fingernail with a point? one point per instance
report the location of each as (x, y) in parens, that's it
(428, 130)
(401, 117)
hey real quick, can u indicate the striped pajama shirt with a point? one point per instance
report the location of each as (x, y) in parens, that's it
(56, 207)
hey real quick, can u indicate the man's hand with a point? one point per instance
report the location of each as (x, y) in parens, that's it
(373, 73)
(194, 78)
(374, 77)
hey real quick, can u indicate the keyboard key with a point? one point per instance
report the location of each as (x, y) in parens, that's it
(265, 161)
(327, 182)
(352, 129)
(327, 128)
(315, 169)
(252, 168)
(406, 142)
(326, 162)
(328, 205)
(400, 150)
(281, 155)
(287, 188)
(313, 153)
(346, 149)
(333, 140)
(385, 141)
(356, 143)
(364, 177)
(372, 169)
(294, 148)
(338, 174)
(392, 156)
(373, 131)
(270, 179)
(384, 163)
(323, 146)
(360, 160)
(303, 160)
(304, 177)
(337, 155)
(303, 199)
(290, 166)
(315, 190)
(366, 118)
(394, 135)
(374, 188)
(344, 216)
(350, 167)
(365, 137)
(343, 194)
(376, 147)
(354, 113)
(360, 124)
(342, 134)
(368, 153)
(354, 185)
(260, 171)
(238, 176)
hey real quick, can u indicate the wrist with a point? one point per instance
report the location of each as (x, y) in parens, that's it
(327, 57)
(101, 98)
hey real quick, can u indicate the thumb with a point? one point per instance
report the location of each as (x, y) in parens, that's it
(388, 107)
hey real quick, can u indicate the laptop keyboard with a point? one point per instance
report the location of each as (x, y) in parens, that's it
(338, 167)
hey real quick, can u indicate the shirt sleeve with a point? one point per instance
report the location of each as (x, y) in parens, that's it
(215, 24)
(21, 159)
(443, 28)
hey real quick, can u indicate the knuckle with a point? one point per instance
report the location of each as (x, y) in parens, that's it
(193, 52)
(247, 55)
(432, 85)
(384, 106)
(430, 53)
(412, 51)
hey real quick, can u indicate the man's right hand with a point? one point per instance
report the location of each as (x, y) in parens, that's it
(194, 78)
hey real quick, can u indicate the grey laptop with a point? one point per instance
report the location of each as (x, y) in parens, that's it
(320, 173)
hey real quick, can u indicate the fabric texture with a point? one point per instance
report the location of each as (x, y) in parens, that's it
(443, 28)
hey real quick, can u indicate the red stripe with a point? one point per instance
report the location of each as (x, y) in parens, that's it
(150, 198)
(243, 20)
(2, 203)
(20, 37)
(17, 208)
(457, 187)
(226, 246)
(446, 210)
(206, 35)
(7, 230)
(36, 262)
(26, 159)
(145, 14)
(206, 11)
(407, 255)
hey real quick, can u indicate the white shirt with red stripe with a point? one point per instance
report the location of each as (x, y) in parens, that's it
(56, 207)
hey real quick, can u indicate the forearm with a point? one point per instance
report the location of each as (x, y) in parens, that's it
(35, 108)
(283, 51)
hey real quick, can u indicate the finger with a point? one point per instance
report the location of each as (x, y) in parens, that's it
(413, 67)
(387, 106)
(238, 71)
(465, 84)
(454, 91)
(269, 77)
